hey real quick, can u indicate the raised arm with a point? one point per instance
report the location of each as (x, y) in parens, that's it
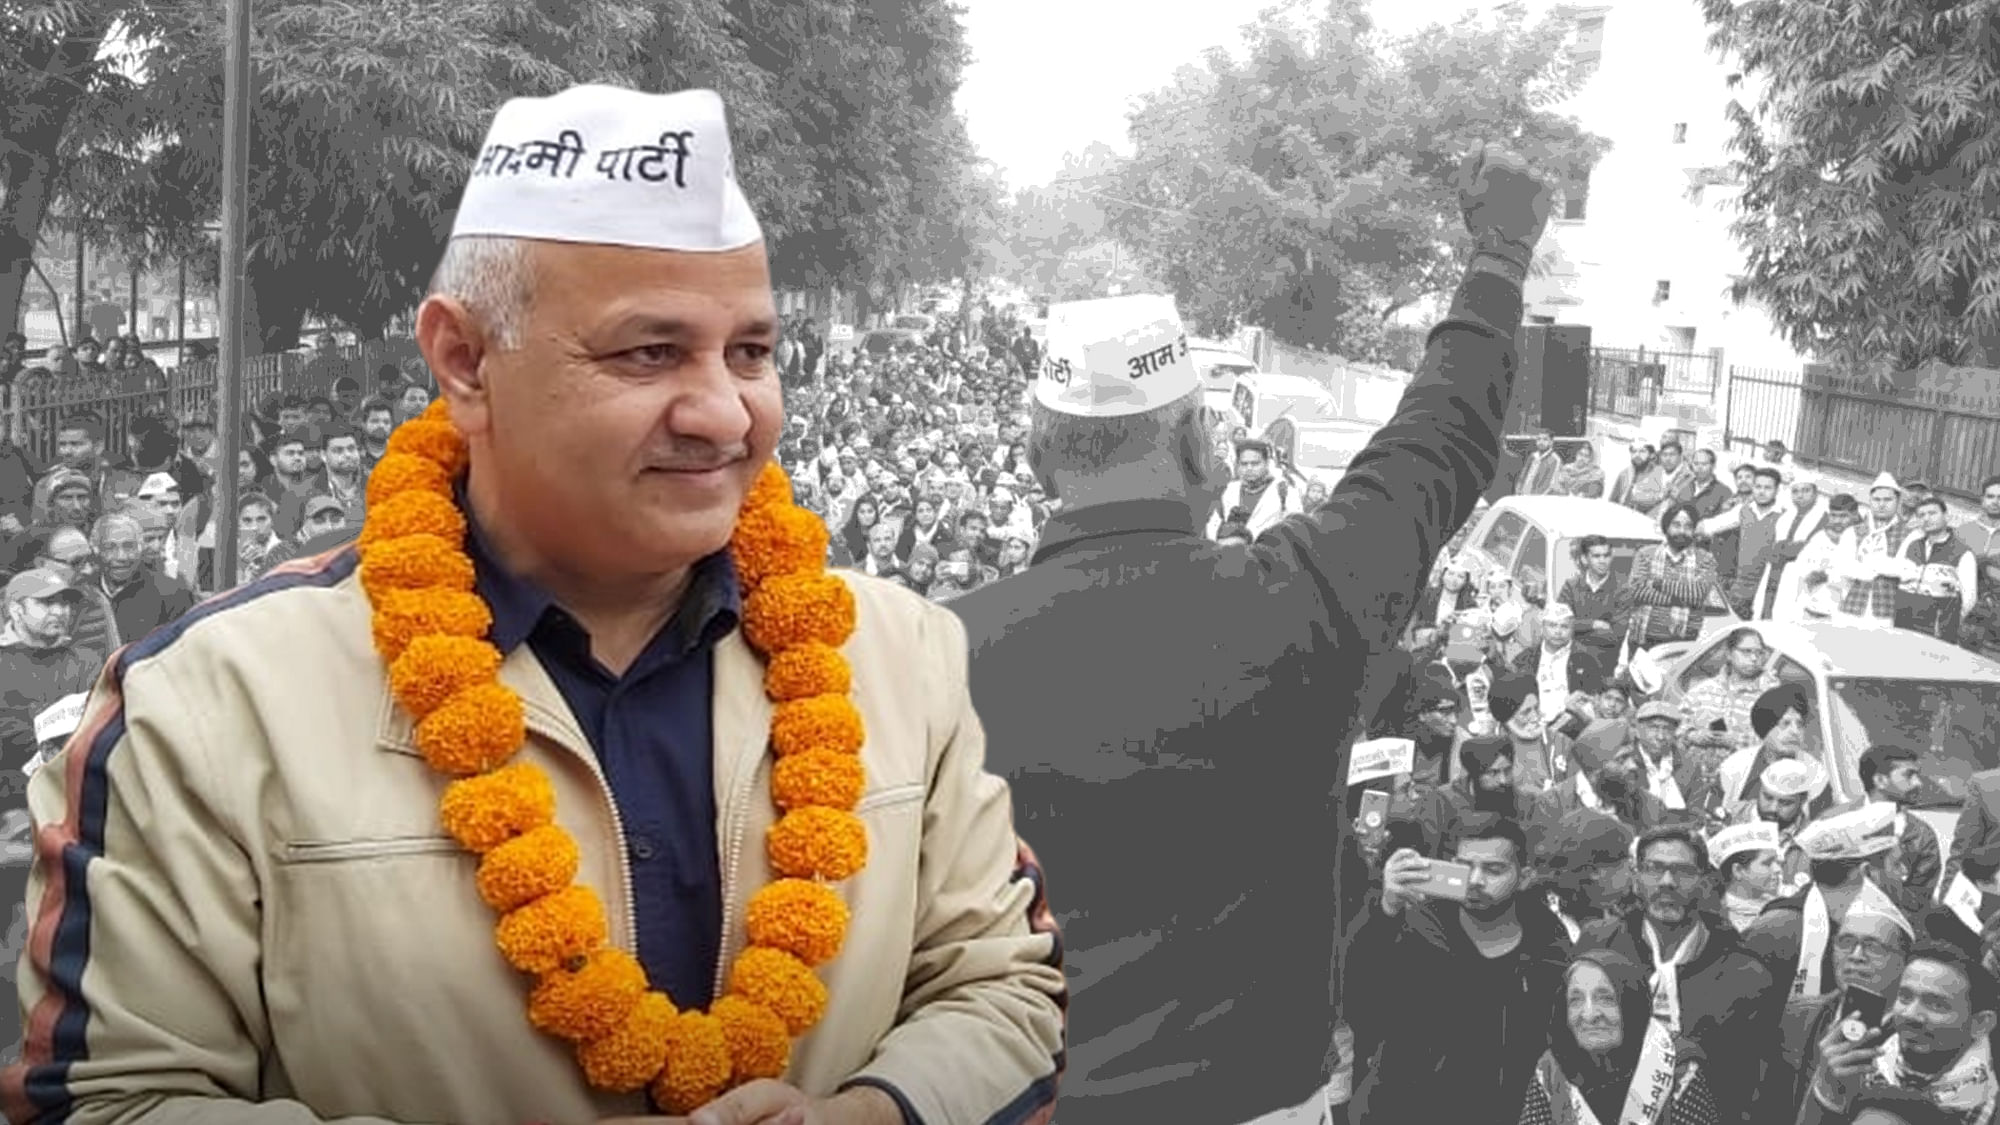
(1417, 480)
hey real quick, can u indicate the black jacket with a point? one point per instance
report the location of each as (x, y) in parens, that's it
(1459, 1034)
(1172, 716)
(1731, 1005)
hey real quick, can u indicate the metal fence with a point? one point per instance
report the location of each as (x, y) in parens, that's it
(1765, 404)
(1631, 383)
(1948, 439)
(34, 416)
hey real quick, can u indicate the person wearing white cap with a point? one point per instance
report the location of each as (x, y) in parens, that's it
(478, 823)
(1746, 865)
(1143, 683)
(1796, 527)
(1848, 856)
(1870, 555)
(1870, 947)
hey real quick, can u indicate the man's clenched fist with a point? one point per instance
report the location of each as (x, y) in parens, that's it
(1502, 199)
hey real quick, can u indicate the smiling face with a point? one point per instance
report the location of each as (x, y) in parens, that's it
(643, 402)
(1594, 1016)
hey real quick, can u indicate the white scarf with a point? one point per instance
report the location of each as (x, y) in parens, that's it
(1660, 779)
(1818, 928)
(1651, 1094)
(1666, 975)
(1966, 1087)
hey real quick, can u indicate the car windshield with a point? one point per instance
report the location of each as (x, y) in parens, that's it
(1944, 721)
(916, 322)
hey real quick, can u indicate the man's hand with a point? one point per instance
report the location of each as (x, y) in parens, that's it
(1401, 876)
(1502, 199)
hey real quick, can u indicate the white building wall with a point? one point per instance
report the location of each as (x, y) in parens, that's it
(1639, 227)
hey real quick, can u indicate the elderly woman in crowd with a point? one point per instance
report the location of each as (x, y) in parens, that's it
(1607, 1054)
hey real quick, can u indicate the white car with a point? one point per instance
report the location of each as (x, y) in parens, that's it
(1874, 686)
(1534, 538)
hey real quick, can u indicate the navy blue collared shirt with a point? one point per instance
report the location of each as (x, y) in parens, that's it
(652, 732)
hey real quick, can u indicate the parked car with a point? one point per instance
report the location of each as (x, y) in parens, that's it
(915, 322)
(1534, 539)
(1874, 686)
(881, 341)
(1319, 452)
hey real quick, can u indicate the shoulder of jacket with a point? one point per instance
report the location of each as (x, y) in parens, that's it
(264, 624)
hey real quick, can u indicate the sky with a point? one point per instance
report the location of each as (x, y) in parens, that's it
(1051, 76)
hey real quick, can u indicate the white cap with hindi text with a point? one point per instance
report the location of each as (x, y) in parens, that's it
(610, 166)
(1114, 357)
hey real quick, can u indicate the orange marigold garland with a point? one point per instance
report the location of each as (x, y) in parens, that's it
(431, 629)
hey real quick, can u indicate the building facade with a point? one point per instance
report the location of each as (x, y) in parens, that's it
(1641, 252)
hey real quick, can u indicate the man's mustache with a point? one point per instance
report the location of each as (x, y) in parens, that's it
(696, 458)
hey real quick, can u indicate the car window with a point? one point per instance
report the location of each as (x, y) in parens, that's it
(1246, 403)
(1790, 671)
(1707, 666)
(1944, 721)
(1531, 567)
(1505, 535)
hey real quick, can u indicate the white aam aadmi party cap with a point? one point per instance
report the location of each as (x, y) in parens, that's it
(600, 164)
(1116, 356)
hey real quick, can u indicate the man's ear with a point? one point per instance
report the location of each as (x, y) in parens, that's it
(455, 346)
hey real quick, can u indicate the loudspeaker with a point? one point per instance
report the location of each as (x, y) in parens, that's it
(1551, 392)
(1552, 389)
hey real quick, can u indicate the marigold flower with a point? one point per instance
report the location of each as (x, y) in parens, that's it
(528, 866)
(397, 473)
(819, 722)
(817, 777)
(698, 1064)
(782, 983)
(816, 843)
(591, 1001)
(486, 811)
(435, 667)
(772, 488)
(808, 669)
(778, 540)
(432, 439)
(807, 920)
(401, 616)
(759, 1045)
(540, 936)
(792, 609)
(632, 1054)
(414, 562)
(474, 731)
(416, 512)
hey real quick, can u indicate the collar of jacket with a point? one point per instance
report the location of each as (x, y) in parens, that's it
(1542, 933)
(1720, 942)
(1067, 530)
(740, 710)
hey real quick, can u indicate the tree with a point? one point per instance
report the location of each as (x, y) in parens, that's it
(1870, 165)
(1050, 222)
(368, 114)
(1310, 188)
(62, 84)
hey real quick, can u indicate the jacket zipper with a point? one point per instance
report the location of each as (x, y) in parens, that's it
(738, 810)
(617, 823)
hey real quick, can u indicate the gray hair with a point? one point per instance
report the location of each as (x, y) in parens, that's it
(493, 277)
(1065, 445)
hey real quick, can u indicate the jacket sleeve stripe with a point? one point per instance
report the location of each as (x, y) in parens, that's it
(36, 1087)
(1037, 1104)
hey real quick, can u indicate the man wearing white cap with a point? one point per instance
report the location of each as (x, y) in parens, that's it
(1848, 856)
(1795, 529)
(1869, 948)
(1871, 558)
(1147, 686)
(477, 824)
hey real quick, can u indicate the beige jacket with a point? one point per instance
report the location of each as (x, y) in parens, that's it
(271, 927)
